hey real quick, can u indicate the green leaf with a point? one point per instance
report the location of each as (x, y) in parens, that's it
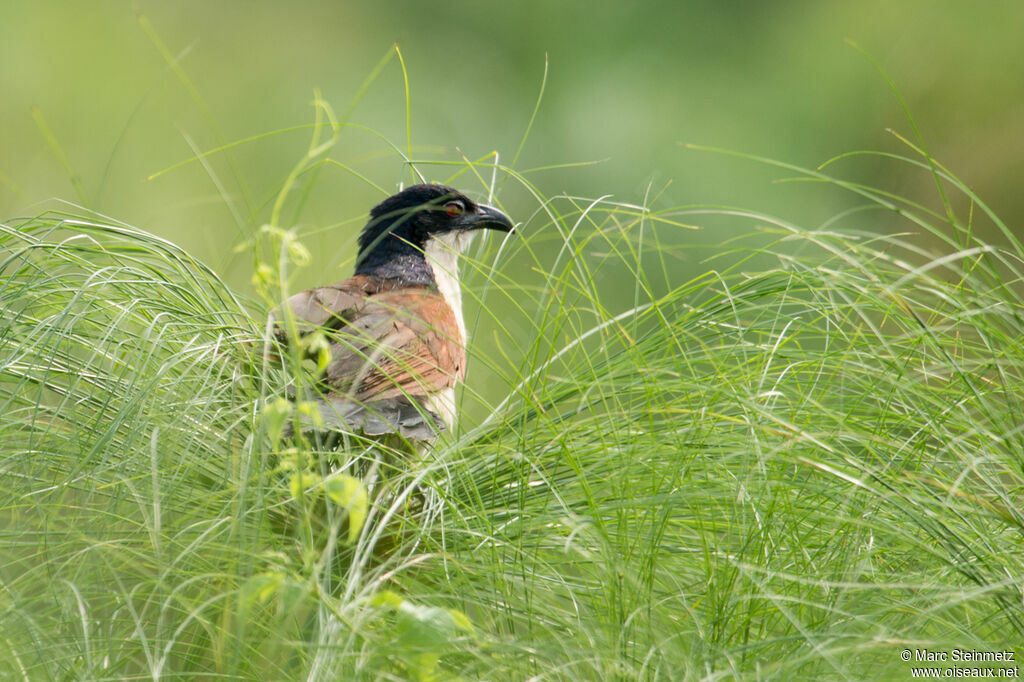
(387, 598)
(263, 586)
(316, 345)
(461, 620)
(275, 415)
(301, 482)
(350, 494)
(311, 409)
(429, 628)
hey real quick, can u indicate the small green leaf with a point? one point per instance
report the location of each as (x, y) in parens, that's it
(350, 494)
(263, 276)
(289, 460)
(311, 409)
(275, 415)
(461, 620)
(424, 666)
(297, 253)
(263, 586)
(301, 482)
(316, 345)
(387, 598)
(425, 628)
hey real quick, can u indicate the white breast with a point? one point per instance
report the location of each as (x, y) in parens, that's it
(442, 252)
(443, 405)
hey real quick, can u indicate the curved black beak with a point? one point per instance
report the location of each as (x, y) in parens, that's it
(490, 218)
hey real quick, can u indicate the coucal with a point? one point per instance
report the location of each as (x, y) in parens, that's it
(397, 339)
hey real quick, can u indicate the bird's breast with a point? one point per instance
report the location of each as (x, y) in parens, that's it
(442, 404)
(442, 253)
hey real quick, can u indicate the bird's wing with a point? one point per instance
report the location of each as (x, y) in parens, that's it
(391, 351)
(327, 306)
(403, 342)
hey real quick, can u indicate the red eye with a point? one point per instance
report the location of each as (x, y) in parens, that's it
(454, 208)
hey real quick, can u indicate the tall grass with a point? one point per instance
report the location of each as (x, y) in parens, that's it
(793, 466)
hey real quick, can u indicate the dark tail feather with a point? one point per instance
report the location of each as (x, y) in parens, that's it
(395, 416)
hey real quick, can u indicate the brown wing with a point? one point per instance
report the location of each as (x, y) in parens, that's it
(386, 342)
(324, 306)
(403, 342)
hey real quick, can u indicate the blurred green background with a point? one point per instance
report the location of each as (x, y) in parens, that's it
(627, 83)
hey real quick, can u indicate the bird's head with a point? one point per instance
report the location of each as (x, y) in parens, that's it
(403, 225)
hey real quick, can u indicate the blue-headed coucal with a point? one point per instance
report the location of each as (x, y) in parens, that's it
(395, 328)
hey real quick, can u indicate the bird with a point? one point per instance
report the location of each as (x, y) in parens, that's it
(395, 329)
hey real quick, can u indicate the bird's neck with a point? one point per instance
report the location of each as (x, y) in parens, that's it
(406, 266)
(437, 265)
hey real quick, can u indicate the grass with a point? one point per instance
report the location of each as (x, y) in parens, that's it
(793, 466)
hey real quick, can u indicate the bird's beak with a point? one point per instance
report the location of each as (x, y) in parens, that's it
(491, 218)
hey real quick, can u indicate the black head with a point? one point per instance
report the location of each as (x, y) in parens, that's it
(401, 225)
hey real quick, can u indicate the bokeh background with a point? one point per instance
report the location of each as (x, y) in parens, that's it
(628, 82)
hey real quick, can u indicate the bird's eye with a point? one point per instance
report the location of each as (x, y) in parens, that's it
(454, 208)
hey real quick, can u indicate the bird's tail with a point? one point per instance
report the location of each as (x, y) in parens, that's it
(401, 416)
